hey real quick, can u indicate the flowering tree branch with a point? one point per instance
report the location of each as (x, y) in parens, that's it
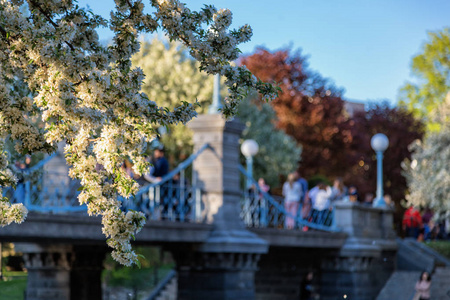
(90, 97)
(49, 20)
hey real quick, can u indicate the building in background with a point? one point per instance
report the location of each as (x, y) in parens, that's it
(352, 107)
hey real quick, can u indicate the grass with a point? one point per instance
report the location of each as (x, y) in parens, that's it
(135, 277)
(442, 247)
(142, 279)
(134, 281)
(14, 274)
(13, 289)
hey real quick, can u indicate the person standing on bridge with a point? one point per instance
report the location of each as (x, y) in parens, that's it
(292, 192)
(304, 185)
(303, 207)
(321, 205)
(338, 191)
(160, 166)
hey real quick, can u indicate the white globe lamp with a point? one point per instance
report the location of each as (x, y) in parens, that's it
(249, 148)
(379, 143)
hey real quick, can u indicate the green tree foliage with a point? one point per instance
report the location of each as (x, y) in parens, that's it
(278, 152)
(428, 172)
(432, 69)
(172, 76)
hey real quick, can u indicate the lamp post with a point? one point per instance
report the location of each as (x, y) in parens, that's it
(379, 143)
(249, 148)
(216, 103)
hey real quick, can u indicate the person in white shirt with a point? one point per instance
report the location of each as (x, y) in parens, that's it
(322, 198)
(292, 192)
(320, 201)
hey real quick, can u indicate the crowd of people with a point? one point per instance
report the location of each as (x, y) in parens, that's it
(316, 204)
(422, 225)
(312, 204)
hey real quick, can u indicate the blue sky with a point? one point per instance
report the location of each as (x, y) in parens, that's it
(364, 46)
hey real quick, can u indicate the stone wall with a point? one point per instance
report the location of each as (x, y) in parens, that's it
(282, 271)
(368, 257)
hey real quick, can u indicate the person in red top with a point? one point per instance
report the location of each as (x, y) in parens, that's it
(412, 222)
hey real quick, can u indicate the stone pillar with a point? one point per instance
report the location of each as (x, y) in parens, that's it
(363, 265)
(216, 169)
(56, 179)
(63, 272)
(86, 272)
(283, 270)
(48, 271)
(214, 275)
(223, 267)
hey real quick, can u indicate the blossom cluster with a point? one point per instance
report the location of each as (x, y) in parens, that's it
(89, 95)
(428, 172)
(8, 212)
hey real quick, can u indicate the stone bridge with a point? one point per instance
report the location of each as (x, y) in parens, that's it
(221, 256)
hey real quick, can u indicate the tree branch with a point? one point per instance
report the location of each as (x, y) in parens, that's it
(43, 12)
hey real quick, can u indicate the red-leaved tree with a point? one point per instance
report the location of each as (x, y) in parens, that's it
(309, 108)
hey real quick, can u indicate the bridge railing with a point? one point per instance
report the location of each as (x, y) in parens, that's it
(45, 190)
(259, 209)
(174, 198)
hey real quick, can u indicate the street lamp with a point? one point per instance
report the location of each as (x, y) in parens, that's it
(379, 143)
(249, 148)
(216, 103)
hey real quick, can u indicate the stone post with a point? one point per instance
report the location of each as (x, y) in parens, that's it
(48, 271)
(63, 272)
(223, 267)
(365, 262)
(56, 173)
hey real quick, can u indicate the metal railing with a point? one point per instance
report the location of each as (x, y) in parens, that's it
(45, 191)
(259, 209)
(173, 198)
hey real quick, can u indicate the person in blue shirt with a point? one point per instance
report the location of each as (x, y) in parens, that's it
(304, 185)
(160, 163)
(160, 166)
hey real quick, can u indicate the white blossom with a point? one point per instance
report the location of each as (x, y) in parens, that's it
(428, 173)
(88, 95)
